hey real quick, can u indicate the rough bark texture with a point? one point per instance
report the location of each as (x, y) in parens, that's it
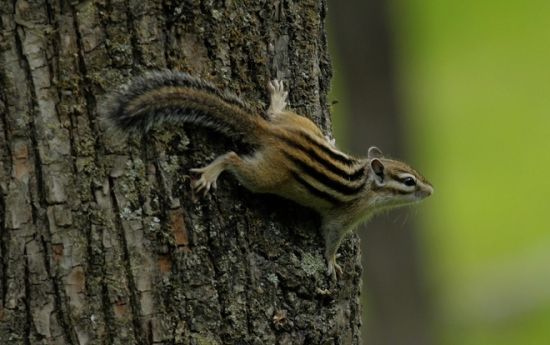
(102, 241)
(398, 310)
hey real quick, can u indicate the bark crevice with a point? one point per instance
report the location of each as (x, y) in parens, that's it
(27, 300)
(137, 55)
(132, 288)
(6, 165)
(86, 87)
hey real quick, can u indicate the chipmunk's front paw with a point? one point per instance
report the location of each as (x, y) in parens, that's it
(207, 180)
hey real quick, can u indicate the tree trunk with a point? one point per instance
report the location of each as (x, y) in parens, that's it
(102, 240)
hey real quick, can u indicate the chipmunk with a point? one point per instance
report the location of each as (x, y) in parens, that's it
(292, 158)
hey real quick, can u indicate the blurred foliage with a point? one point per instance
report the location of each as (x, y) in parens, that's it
(475, 81)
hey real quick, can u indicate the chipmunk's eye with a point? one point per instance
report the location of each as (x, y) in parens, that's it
(409, 181)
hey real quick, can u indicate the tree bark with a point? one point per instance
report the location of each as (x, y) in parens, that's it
(102, 240)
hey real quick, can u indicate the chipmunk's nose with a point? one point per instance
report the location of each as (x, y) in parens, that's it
(425, 192)
(429, 190)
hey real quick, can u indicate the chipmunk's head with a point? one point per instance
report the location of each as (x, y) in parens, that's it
(394, 183)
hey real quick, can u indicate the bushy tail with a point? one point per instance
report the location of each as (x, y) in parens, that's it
(168, 96)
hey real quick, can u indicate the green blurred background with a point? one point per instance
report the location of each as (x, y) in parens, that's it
(472, 79)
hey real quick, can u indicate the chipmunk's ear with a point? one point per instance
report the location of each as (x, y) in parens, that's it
(374, 152)
(378, 169)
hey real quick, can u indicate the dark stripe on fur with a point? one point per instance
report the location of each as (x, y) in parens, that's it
(324, 179)
(354, 176)
(337, 156)
(143, 120)
(314, 191)
(399, 191)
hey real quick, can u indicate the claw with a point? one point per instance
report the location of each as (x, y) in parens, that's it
(334, 270)
(278, 97)
(200, 185)
(209, 174)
